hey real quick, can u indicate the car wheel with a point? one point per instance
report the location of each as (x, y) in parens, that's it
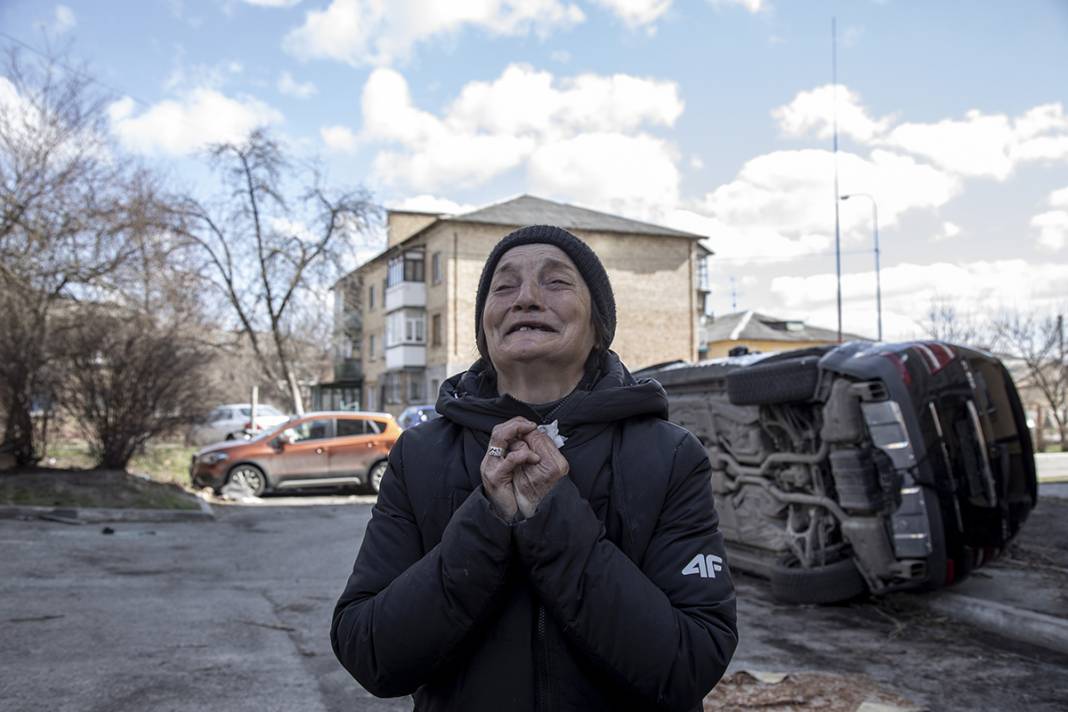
(832, 583)
(787, 381)
(249, 477)
(374, 477)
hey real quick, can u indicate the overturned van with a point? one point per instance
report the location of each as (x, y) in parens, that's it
(860, 467)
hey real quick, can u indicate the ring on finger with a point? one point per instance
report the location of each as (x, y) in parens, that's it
(494, 451)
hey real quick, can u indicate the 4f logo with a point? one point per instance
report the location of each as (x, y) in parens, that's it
(703, 565)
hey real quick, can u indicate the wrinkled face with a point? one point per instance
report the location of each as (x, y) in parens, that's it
(538, 309)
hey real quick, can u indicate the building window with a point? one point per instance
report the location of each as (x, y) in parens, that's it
(435, 330)
(435, 270)
(406, 326)
(703, 282)
(392, 387)
(415, 389)
(371, 297)
(371, 346)
(407, 267)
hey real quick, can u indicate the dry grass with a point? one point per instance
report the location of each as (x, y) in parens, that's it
(158, 479)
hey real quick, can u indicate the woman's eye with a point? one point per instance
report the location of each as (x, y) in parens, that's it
(502, 287)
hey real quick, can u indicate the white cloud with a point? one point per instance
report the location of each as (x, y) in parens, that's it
(753, 6)
(1052, 229)
(339, 138)
(272, 3)
(426, 203)
(202, 117)
(361, 32)
(184, 79)
(781, 204)
(613, 171)
(1052, 225)
(580, 138)
(949, 230)
(909, 289)
(977, 145)
(291, 87)
(811, 112)
(63, 20)
(637, 13)
(523, 99)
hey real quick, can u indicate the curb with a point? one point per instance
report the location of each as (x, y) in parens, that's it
(93, 515)
(1017, 624)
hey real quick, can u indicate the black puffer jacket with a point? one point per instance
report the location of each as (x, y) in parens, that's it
(614, 596)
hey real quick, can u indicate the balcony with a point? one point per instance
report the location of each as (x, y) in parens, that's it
(348, 369)
(405, 356)
(406, 294)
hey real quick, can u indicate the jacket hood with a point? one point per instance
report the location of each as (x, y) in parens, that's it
(607, 394)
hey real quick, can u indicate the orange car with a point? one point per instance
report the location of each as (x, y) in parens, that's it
(312, 450)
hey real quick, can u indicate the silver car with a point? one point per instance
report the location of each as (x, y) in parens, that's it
(233, 421)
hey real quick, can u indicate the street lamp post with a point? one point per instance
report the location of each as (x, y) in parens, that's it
(875, 231)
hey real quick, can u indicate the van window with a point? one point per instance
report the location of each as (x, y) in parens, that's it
(309, 430)
(352, 426)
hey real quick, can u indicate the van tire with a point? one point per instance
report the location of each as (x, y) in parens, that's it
(251, 477)
(788, 381)
(832, 583)
(375, 475)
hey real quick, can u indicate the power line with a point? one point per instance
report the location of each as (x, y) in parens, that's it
(76, 72)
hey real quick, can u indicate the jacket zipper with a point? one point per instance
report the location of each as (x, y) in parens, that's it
(543, 662)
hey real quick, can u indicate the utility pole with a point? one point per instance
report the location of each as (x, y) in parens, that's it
(734, 295)
(875, 232)
(834, 113)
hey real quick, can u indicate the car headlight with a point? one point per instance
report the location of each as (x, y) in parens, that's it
(213, 457)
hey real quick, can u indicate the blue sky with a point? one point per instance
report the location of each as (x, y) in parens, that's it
(711, 116)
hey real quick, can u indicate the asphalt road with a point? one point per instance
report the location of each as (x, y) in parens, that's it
(234, 615)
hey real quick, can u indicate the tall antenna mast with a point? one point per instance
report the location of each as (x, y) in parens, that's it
(834, 119)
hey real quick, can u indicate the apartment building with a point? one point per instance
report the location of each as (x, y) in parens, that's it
(405, 319)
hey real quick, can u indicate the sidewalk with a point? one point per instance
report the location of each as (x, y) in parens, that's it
(1052, 466)
(1020, 596)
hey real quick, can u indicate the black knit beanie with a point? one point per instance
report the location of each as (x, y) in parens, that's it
(585, 259)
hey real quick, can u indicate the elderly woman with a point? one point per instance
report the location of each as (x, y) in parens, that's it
(549, 543)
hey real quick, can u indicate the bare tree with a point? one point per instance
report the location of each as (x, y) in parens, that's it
(263, 251)
(63, 221)
(1038, 340)
(945, 322)
(127, 378)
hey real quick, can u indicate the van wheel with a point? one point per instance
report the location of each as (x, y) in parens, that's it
(832, 583)
(249, 477)
(374, 477)
(786, 381)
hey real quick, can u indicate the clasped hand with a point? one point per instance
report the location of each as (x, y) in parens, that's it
(531, 465)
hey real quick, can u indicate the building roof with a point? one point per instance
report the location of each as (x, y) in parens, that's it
(753, 326)
(529, 210)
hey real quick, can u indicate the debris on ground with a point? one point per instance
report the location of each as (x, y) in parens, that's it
(802, 691)
(237, 492)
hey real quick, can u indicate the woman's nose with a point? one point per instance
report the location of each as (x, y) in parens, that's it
(528, 295)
